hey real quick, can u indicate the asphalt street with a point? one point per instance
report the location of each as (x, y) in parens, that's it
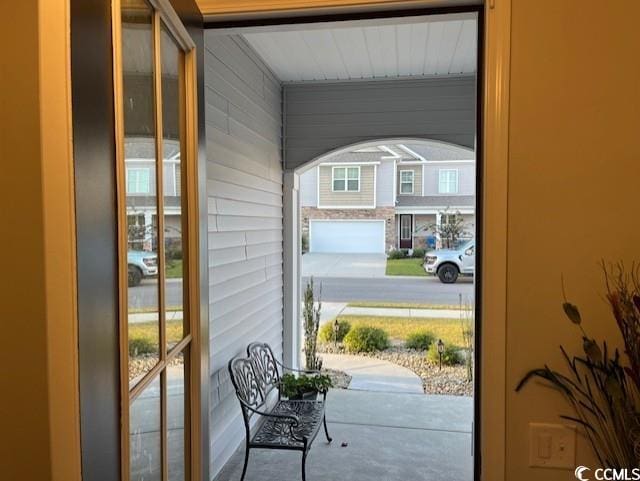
(427, 290)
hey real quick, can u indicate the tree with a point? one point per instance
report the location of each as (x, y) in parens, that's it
(450, 229)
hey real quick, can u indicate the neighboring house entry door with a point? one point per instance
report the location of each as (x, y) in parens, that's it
(406, 231)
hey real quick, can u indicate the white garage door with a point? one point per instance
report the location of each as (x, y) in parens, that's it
(354, 236)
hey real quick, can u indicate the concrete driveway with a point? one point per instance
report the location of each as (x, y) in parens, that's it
(344, 265)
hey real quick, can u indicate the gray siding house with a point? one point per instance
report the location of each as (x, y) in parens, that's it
(416, 186)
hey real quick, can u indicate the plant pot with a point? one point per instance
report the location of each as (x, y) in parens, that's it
(306, 396)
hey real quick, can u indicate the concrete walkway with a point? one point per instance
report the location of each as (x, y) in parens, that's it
(331, 310)
(369, 374)
(387, 437)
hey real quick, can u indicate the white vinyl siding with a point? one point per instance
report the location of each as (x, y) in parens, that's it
(244, 187)
(384, 186)
(345, 179)
(309, 188)
(406, 181)
(448, 181)
(466, 177)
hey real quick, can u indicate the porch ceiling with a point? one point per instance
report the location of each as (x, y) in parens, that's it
(369, 49)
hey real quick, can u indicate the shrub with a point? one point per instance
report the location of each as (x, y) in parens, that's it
(295, 387)
(418, 253)
(450, 356)
(366, 339)
(326, 331)
(305, 243)
(419, 340)
(139, 346)
(398, 253)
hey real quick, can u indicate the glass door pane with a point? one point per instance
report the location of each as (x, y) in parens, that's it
(153, 216)
(145, 435)
(141, 198)
(174, 233)
(177, 435)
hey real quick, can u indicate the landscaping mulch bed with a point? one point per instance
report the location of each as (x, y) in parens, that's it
(339, 379)
(451, 380)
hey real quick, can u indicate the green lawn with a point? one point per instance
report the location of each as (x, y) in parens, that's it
(174, 269)
(150, 331)
(449, 330)
(402, 305)
(405, 267)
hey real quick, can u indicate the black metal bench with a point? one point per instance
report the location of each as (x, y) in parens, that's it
(281, 423)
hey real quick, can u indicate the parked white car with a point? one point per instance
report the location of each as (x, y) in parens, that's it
(449, 264)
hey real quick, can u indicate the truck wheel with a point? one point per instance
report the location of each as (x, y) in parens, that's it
(135, 276)
(448, 273)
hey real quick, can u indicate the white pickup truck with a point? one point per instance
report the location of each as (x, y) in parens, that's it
(448, 264)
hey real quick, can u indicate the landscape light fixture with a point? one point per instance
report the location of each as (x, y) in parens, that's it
(440, 351)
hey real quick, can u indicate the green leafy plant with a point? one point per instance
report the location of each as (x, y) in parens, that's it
(366, 339)
(604, 393)
(327, 333)
(419, 340)
(418, 253)
(296, 387)
(397, 254)
(311, 315)
(139, 346)
(450, 357)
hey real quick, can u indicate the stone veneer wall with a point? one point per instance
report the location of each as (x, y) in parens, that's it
(386, 213)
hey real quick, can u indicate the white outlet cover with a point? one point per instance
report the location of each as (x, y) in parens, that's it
(563, 445)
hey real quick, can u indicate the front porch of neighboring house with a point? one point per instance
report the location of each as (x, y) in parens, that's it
(419, 229)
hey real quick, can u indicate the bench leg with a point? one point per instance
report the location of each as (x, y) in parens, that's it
(326, 431)
(246, 461)
(304, 465)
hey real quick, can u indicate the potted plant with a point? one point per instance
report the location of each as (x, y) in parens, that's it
(603, 387)
(304, 386)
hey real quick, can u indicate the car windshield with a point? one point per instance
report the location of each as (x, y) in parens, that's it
(464, 245)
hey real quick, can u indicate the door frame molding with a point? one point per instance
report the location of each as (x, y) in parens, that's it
(400, 216)
(493, 116)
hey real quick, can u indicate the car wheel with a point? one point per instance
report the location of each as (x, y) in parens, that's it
(135, 276)
(448, 274)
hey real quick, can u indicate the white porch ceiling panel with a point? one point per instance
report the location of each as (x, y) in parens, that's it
(434, 46)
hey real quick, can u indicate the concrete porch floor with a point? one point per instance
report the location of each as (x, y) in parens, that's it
(390, 436)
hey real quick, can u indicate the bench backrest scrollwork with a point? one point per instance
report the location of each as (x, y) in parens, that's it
(247, 385)
(265, 365)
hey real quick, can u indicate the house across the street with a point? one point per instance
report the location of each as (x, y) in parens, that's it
(380, 197)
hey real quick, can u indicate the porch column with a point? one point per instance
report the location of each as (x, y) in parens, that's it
(292, 268)
(438, 223)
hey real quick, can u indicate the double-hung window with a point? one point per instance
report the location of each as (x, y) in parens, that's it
(406, 181)
(138, 181)
(448, 181)
(346, 179)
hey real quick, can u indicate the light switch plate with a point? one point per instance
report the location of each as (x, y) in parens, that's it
(552, 446)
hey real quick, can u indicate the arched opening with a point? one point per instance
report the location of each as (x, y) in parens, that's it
(387, 194)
